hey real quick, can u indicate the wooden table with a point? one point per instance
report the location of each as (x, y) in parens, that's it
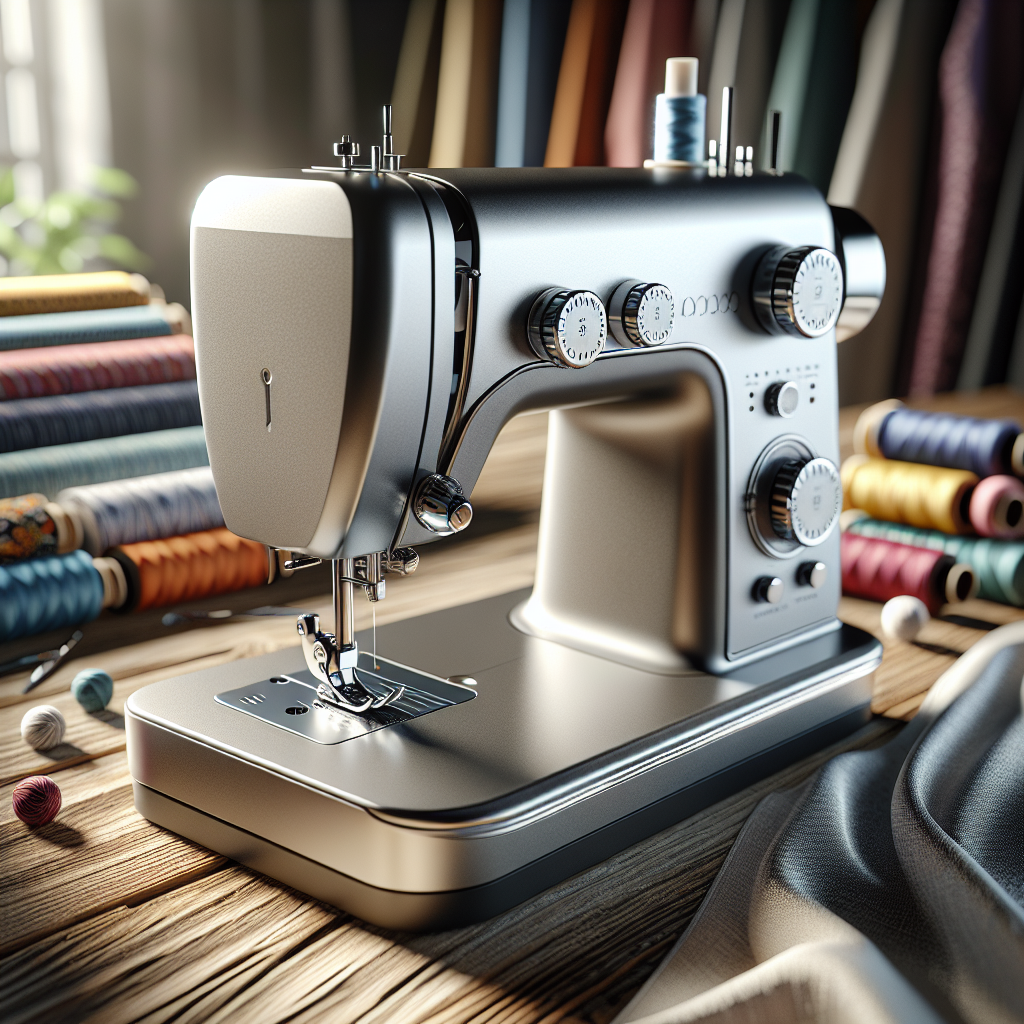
(106, 917)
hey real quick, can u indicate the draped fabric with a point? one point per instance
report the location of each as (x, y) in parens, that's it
(979, 84)
(888, 887)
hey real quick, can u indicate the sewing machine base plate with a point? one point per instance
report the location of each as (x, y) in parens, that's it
(559, 761)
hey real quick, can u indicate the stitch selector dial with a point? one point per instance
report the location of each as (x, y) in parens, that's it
(641, 314)
(798, 291)
(806, 499)
(568, 328)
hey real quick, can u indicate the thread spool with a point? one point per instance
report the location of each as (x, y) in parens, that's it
(986, 447)
(45, 329)
(97, 366)
(92, 688)
(69, 419)
(680, 116)
(36, 800)
(178, 569)
(998, 564)
(951, 500)
(50, 470)
(42, 727)
(144, 508)
(878, 570)
(31, 526)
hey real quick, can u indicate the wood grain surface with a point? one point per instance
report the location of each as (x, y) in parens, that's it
(105, 917)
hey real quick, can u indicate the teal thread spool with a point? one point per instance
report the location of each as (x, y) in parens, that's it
(92, 688)
(679, 115)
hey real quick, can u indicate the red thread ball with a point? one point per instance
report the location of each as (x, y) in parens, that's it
(37, 800)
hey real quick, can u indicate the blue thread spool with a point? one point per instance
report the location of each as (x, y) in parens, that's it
(48, 593)
(92, 688)
(680, 114)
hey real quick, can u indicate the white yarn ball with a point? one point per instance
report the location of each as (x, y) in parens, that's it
(904, 617)
(43, 727)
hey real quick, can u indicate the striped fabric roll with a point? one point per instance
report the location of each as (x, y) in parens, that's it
(144, 508)
(59, 293)
(50, 470)
(68, 419)
(38, 329)
(67, 369)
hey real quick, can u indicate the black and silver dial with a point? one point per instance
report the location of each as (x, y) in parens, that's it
(568, 327)
(798, 291)
(806, 499)
(641, 315)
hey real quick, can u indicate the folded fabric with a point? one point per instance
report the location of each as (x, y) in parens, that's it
(888, 887)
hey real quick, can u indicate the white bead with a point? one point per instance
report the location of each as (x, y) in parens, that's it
(904, 617)
(43, 727)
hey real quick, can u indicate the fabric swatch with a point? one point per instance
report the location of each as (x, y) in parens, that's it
(980, 78)
(655, 30)
(532, 38)
(414, 96)
(879, 169)
(467, 86)
(1001, 289)
(703, 25)
(888, 887)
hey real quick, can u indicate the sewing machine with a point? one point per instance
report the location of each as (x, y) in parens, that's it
(362, 335)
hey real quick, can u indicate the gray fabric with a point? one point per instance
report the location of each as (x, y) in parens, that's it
(889, 886)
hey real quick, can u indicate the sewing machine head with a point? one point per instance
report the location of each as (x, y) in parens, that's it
(362, 335)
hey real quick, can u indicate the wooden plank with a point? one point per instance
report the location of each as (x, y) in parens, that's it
(234, 946)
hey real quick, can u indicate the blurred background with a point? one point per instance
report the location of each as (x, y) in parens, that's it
(115, 113)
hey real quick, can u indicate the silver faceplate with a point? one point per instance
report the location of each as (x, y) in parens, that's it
(291, 702)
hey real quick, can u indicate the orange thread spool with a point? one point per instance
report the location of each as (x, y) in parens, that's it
(195, 565)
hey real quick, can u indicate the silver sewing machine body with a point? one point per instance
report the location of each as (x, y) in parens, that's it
(362, 335)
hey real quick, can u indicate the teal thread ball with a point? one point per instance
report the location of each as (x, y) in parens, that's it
(92, 688)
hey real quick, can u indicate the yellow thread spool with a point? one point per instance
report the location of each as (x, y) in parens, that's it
(906, 492)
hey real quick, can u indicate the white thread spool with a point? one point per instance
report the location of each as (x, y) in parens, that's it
(43, 727)
(904, 617)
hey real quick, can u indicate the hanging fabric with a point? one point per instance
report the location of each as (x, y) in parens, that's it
(414, 97)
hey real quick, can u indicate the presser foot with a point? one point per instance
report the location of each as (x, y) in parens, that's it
(334, 668)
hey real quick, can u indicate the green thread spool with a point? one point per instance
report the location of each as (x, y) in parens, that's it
(92, 688)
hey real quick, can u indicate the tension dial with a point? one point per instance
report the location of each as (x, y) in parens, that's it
(641, 314)
(568, 327)
(806, 498)
(798, 291)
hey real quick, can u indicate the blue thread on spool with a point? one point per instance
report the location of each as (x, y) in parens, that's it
(48, 593)
(999, 564)
(943, 439)
(35, 330)
(679, 126)
(49, 470)
(92, 688)
(145, 508)
(90, 415)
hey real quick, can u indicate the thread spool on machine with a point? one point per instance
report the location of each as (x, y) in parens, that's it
(681, 636)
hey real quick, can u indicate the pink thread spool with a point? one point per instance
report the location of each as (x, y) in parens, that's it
(36, 800)
(878, 570)
(997, 507)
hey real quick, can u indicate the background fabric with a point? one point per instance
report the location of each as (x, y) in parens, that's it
(889, 886)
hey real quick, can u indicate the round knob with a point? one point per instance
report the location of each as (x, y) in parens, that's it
(641, 315)
(806, 499)
(440, 505)
(768, 589)
(782, 398)
(798, 291)
(812, 574)
(569, 328)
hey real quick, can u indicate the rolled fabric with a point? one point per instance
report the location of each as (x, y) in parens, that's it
(144, 508)
(45, 329)
(50, 470)
(96, 366)
(61, 293)
(998, 564)
(879, 570)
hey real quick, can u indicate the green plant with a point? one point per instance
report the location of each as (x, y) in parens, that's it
(68, 228)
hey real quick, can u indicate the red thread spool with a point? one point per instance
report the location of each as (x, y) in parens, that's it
(36, 800)
(878, 570)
